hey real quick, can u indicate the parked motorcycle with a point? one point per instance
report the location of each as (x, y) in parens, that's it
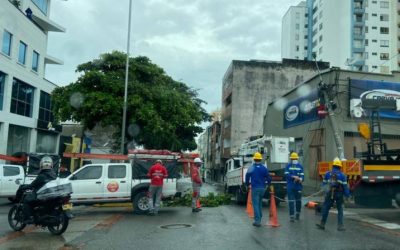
(51, 213)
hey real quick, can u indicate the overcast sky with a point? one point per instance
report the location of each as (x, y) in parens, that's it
(193, 40)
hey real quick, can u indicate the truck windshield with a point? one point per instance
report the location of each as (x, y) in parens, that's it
(236, 164)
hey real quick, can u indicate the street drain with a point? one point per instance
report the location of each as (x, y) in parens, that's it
(176, 226)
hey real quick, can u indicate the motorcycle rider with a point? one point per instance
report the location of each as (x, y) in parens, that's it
(45, 175)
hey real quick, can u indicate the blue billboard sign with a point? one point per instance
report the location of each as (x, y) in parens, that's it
(377, 91)
(301, 110)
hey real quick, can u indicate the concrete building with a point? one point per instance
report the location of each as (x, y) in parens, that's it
(314, 135)
(364, 38)
(26, 119)
(248, 87)
(203, 147)
(209, 148)
(295, 32)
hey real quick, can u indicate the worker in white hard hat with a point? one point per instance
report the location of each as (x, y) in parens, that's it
(294, 173)
(196, 184)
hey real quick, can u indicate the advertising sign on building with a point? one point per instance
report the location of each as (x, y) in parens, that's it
(301, 110)
(376, 95)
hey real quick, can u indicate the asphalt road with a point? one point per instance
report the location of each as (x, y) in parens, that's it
(225, 227)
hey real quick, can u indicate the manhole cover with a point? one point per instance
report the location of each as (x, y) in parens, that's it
(176, 226)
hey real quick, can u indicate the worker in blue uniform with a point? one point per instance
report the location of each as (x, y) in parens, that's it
(294, 173)
(258, 176)
(336, 188)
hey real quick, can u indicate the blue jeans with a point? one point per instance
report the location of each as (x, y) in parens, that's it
(338, 198)
(294, 197)
(256, 197)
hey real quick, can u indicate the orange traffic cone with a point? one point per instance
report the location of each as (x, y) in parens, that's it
(198, 205)
(249, 207)
(312, 204)
(273, 215)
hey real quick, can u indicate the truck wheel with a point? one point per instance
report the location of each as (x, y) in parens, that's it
(239, 197)
(141, 203)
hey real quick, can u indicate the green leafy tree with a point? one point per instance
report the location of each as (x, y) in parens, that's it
(161, 113)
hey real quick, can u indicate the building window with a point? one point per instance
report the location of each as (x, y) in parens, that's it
(320, 15)
(384, 56)
(45, 111)
(306, 26)
(297, 26)
(374, 53)
(366, 29)
(384, 4)
(35, 61)
(374, 67)
(384, 17)
(384, 30)
(374, 40)
(320, 26)
(385, 69)
(2, 83)
(297, 37)
(320, 50)
(374, 14)
(306, 37)
(297, 47)
(384, 43)
(297, 15)
(22, 53)
(42, 5)
(320, 38)
(18, 139)
(375, 2)
(22, 98)
(7, 42)
(374, 27)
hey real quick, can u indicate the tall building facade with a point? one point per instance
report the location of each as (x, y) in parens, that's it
(295, 32)
(26, 118)
(361, 35)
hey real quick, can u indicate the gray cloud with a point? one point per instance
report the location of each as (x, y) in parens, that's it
(192, 40)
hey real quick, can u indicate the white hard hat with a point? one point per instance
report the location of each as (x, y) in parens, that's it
(46, 163)
(197, 160)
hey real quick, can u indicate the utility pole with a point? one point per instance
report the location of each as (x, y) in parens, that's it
(126, 80)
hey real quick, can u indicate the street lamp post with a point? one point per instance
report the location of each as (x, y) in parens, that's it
(126, 80)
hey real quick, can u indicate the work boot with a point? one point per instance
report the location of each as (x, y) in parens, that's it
(297, 216)
(291, 219)
(321, 226)
(341, 228)
(256, 224)
(196, 210)
(151, 213)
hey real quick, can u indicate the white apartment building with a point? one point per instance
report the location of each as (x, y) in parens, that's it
(360, 35)
(26, 119)
(295, 32)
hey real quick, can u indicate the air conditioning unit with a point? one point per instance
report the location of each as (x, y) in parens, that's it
(355, 108)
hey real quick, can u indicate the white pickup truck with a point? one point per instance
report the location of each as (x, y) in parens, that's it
(11, 176)
(122, 182)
